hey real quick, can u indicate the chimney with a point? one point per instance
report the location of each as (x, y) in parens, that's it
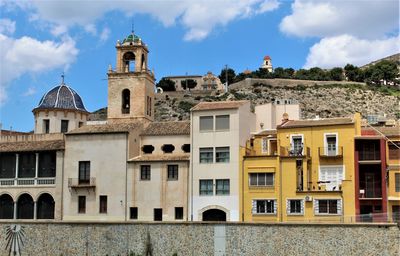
(285, 118)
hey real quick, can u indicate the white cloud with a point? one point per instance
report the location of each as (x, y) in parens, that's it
(28, 55)
(323, 18)
(340, 50)
(7, 26)
(105, 33)
(31, 91)
(199, 17)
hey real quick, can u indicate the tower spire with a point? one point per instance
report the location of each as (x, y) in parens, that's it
(133, 26)
(62, 77)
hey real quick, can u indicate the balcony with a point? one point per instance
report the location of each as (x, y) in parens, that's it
(78, 183)
(27, 182)
(370, 194)
(327, 152)
(295, 153)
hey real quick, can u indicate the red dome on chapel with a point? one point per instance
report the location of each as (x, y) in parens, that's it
(267, 58)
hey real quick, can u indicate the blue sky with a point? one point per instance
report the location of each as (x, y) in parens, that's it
(41, 39)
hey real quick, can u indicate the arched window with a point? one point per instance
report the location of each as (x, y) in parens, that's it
(148, 149)
(129, 62)
(214, 215)
(25, 207)
(45, 207)
(143, 62)
(126, 101)
(6, 207)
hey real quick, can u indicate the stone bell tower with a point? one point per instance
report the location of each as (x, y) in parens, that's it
(131, 84)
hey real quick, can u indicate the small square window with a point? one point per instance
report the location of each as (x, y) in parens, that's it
(133, 213)
(295, 206)
(145, 172)
(222, 187)
(206, 155)
(222, 122)
(222, 154)
(64, 126)
(103, 204)
(206, 123)
(206, 187)
(157, 214)
(46, 126)
(172, 172)
(179, 213)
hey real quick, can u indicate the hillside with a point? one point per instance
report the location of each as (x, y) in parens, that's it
(316, 98)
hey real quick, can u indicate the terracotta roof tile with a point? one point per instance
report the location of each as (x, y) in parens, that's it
(167, 128)
(21, 146)
(219, 105)
(161, 158)
(320, 122)
(266, 132)
(387, 131)
(106, 128)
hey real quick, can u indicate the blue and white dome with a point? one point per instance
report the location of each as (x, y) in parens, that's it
(61, 97)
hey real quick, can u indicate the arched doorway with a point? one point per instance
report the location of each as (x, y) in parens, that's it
(214, 215)
(25, 207)
(45, 207)
(6, 207)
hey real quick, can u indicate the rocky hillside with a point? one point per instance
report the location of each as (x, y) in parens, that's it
(325, 100)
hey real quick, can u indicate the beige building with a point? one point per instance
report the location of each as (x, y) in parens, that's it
(203, 83)
(267, 64)
(159, 175)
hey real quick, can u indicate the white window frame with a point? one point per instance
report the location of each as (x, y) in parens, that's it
(331, 134)
(302, 141)
(339, 207)
(229, 123)
(302, 206)
(264, 186)
(213, 124)
(339, 183)
(254, 206)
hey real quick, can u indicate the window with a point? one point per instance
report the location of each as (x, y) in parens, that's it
(47, 164)
(297, 145)
(7, 165)
(126, 98)
(145, 172)
(179, 213)
(84, 172)
(222, 154)
(64, 126)
(103, 204)
(172, 172)
(331, 144)
(264, 147)
(295, 206)
(148, 105)
(148, 149)
(26, 165)
(397, 182)
(394, 150)
(157, 214)
(186, 148)
(206, 123)
(133, 213)
(222, 122)
(46, 126)
(222, 187)
(82, 204)
(80, 124)
(261, 179)
(328, 206)
(264, 206)
(168, 148)
(331, 177)
(206, 155)
(206, 187)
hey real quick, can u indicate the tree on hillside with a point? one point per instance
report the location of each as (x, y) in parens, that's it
(231, 75)
(382, 72)
(283, 72)
(262, 73)
(336, 74)
(166, 84)
(317, 73)
(354, 73)
(301, 74)
(190, 83)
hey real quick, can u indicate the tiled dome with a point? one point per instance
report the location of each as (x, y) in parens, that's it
(61, 97)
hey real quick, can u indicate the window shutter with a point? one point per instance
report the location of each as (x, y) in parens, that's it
(302, 206)
(287, 206)
(316, 206)
(339, 206)
(254, 206)
(275, 206)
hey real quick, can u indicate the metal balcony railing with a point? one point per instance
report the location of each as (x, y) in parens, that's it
(294, 152)
(27, 182)
(80, 183)
(369, 155)
(330, 152)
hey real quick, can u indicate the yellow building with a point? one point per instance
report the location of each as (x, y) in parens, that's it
(303, 171)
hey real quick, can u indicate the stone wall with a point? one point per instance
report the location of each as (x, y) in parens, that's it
(203, 239)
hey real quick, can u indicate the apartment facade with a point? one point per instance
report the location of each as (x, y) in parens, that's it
(303, 171)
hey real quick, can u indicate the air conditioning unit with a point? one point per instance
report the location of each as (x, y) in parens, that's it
(308, 198)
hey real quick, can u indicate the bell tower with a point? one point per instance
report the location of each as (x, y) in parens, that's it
(131, 84)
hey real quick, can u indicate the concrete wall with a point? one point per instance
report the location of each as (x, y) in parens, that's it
(55, 117)
(205, 239)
